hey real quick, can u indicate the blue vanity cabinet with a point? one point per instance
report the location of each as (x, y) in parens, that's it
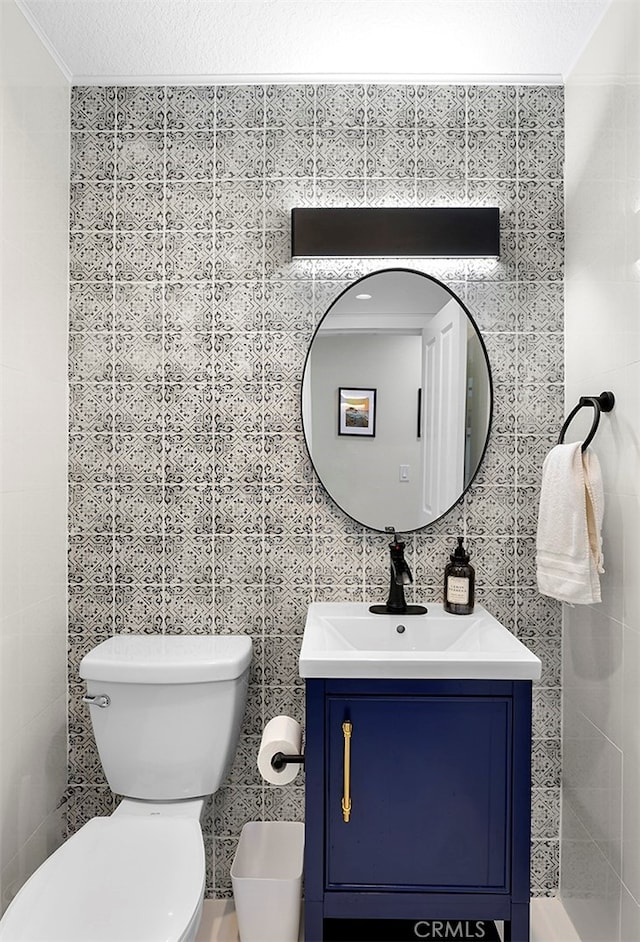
(431, 769)
(418, 802)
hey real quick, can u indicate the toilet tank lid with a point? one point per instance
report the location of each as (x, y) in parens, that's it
(167, 659)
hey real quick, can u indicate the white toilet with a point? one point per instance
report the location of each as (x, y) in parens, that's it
(166, 713)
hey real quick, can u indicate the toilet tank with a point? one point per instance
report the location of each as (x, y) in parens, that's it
(172, 710)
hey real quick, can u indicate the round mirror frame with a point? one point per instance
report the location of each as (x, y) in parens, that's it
(490, 394)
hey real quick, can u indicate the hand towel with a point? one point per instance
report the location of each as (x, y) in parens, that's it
(569, 539)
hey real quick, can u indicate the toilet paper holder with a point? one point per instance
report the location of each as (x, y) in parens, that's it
(279, 760)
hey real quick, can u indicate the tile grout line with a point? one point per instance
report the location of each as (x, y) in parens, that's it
(114, 230)
(214, 498)
(263, 423)
(163, 372)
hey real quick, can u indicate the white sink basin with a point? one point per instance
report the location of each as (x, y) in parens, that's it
(343, 639)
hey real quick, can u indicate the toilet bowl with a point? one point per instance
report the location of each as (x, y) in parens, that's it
(166, 712)
(134, 878)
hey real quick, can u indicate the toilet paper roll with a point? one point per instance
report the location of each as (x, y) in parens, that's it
(281, 734)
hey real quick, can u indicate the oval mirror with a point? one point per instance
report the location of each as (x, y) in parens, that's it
(396, 400)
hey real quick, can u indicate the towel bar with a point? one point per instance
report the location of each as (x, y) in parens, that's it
(602, 403)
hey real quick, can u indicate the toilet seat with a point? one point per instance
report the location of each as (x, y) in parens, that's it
(153, 867)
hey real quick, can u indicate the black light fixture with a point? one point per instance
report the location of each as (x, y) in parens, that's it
(399, 231)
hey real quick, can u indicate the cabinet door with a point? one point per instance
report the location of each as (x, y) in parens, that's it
(429, 788)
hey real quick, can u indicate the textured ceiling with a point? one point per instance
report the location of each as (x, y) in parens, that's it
(212, 40)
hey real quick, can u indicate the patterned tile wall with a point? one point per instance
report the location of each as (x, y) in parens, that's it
(193, 506)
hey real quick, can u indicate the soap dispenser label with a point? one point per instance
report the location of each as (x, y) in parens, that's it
(457, 590)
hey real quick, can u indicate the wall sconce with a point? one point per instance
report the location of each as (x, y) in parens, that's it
(402, 232)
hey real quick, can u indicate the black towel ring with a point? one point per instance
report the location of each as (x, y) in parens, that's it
(602, 403)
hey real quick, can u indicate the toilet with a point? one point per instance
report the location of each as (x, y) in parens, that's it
(166, 713)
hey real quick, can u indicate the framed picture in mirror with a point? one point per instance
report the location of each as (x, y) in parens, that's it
(356, 411)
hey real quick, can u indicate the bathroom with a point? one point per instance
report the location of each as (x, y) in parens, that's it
(135, 328)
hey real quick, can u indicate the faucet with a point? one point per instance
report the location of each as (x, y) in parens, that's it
(399, 577)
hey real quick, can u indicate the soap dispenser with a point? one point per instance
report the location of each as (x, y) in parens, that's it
(459, 582)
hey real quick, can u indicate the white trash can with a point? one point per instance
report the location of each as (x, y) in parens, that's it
(266, 875)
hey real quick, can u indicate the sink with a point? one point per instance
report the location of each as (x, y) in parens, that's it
(343, 639)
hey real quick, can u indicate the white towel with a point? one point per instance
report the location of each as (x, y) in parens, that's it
(569, 540)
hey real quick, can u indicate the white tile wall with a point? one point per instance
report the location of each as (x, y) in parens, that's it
(33, 358)
(600, 874)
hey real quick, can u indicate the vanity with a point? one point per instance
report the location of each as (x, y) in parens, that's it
(418, 745)
(418, 726)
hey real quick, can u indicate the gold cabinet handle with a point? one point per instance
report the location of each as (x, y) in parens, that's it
(346, 790)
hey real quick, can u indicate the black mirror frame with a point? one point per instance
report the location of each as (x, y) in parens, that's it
(410, 271)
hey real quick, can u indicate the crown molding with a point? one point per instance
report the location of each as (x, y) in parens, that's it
(320, 79)
(46, 42)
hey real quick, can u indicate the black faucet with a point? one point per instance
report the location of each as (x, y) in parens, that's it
(399, 577)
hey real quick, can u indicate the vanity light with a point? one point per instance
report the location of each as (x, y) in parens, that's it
(363, 297)
(399, 231)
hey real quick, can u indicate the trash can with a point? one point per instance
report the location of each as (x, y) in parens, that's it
(266, 875)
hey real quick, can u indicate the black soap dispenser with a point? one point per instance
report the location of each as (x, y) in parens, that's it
(459, 582)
